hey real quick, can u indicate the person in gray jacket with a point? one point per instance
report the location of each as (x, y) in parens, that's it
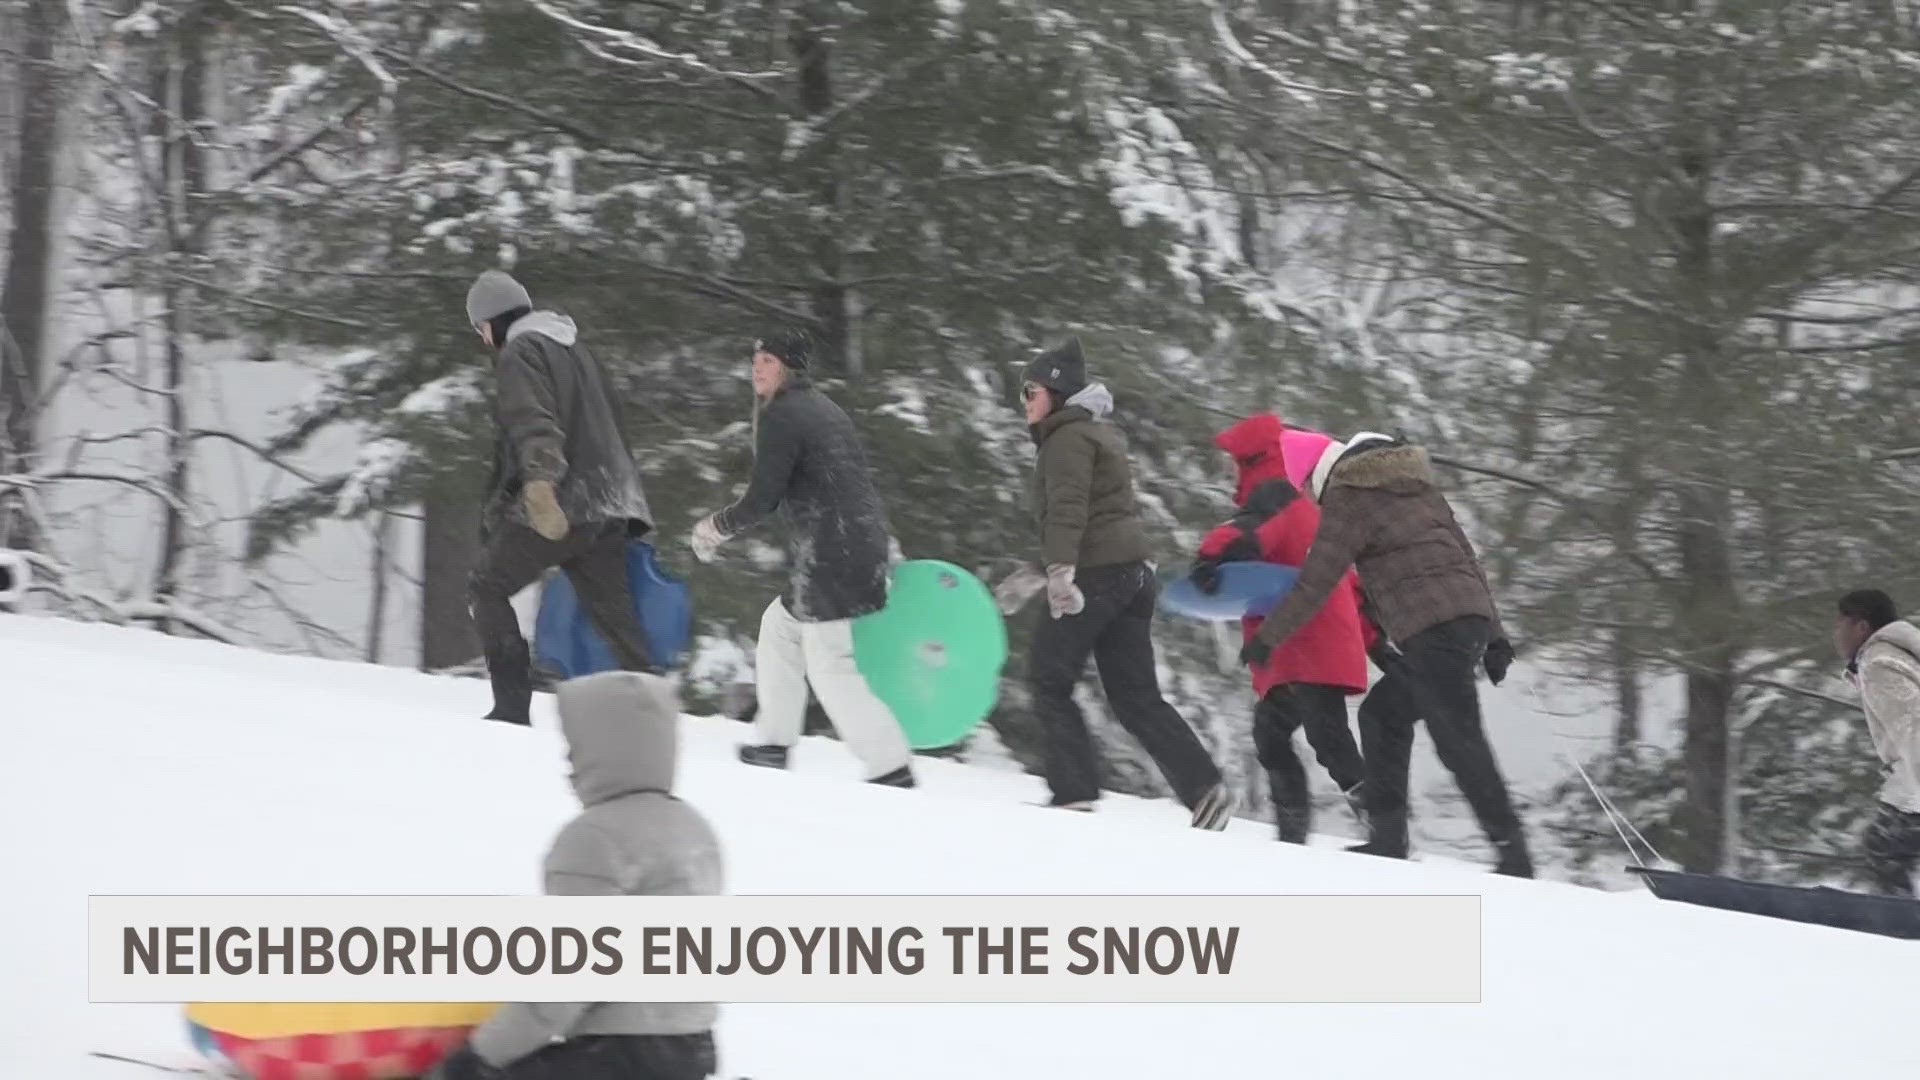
(1883, 661)
(565, 490)
(633, 837)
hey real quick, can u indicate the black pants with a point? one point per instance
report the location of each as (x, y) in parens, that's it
(595, 560)
(618, 1057)
(1892, 844)
(1434, 680)
(1322, 712)
(1116, 629)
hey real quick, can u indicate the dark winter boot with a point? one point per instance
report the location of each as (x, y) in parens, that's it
(511, 674)
(512, 707)
(1387, 835)
(1514, 860)
(1294, 822)
(900, 777)
(767, 757)
(1357, 802)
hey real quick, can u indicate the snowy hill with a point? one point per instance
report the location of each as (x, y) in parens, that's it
(140, 763)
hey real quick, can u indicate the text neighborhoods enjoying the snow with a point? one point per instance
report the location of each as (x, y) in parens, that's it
(689, 949)
(669, 950)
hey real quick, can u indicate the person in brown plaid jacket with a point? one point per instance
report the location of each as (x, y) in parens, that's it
(1381, 514)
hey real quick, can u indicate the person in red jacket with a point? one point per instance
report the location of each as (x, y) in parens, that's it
(1305, 683)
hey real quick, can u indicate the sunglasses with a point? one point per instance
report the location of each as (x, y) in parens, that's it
(1031, 391)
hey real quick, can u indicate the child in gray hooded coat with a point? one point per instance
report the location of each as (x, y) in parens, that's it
(631, 838)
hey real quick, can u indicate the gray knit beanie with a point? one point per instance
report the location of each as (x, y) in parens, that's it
(493, 294)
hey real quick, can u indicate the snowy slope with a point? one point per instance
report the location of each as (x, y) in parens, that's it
(139, 763)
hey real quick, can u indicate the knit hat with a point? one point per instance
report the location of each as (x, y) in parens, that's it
(1335, 453)
(793, 347)
(1061, 369)
(494, 293)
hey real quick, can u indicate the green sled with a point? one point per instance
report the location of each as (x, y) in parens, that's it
(934, 653)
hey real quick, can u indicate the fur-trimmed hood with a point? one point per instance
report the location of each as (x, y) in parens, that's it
(1397, 467)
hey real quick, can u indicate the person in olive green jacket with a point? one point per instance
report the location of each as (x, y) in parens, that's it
(1100, 596)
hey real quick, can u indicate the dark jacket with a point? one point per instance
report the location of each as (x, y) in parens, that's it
(811, 466)
(1382, 515)
(555, 419)
(632, 837)
(1082, 490)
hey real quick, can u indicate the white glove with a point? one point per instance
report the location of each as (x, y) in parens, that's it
(894, 555)
(1063, 596)
(1013, 593)
(706, 539)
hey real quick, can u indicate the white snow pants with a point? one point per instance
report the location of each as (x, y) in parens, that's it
(791, 654)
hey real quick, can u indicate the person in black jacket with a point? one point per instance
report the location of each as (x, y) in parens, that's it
(810, 467)
(565, 491)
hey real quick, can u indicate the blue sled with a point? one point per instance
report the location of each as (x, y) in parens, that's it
(567, 645)
(1247, 589)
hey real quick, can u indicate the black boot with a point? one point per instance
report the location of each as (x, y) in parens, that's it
(1514, 860)
(767, 757)
(901, 777)
(1388, 835)
(511, 674)
(1294, 823)
(1357, 802)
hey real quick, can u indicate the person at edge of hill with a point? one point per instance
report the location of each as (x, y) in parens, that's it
(632, 837)
(1305, 683)
(1100, 592)
(810, 466)
(1382, 515)
(1882, 652)
(565, 490)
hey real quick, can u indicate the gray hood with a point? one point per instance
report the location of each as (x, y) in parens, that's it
(1900, 634)
(1096, 399)
(623, 734)
(551, 323)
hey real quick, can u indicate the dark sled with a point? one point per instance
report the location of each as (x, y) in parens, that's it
(1889, 916)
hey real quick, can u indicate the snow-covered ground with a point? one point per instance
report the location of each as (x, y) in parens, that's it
(140, 763)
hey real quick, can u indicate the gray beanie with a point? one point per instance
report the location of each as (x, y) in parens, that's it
(494, 293)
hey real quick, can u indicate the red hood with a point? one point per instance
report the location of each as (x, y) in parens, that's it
(1254, 444)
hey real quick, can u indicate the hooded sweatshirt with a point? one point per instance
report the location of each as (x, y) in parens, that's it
(1276, 525)
(631, 838)
(556, 420)
(1082, 489)
(1887, 670)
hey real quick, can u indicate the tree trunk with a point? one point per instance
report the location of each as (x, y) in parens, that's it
(377, 609)
(1709, 597)
(447, 549)
(184, 175)
(1626, 676)
(25, 291)
(834, 303)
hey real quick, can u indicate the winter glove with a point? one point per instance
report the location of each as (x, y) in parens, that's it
(1206, 576)
(1498, 659)
(706, 539)
(1063, 596)
(1255, 652)
(1017, 588)
(543, 510)
(1384, 655)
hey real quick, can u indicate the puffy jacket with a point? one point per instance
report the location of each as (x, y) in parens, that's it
(556, 420)
(1082, 494)
(1887, 671)
(1276, 525)
(633, 837)
(1381, 515)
